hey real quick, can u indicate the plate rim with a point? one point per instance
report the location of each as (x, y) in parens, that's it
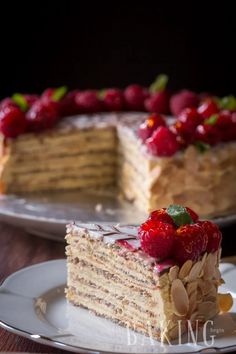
(41, 339)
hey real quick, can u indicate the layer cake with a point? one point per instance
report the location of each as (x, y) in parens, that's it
(131, 276)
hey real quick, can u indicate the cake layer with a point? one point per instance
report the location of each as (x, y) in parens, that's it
(110, 275)
(182, 179)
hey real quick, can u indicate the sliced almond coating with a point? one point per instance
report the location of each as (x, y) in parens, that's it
(179, 298)
(207, 309)
(195, 271)
(185, 269)
(225, 302)
(173, 273)
(191, 288)
(209, 268)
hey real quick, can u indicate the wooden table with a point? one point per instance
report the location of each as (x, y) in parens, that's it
(19, 249)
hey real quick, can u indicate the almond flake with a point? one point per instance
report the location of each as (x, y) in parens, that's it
(185, 269)
(179, 298)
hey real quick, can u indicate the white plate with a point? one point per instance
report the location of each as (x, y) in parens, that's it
(46, 214)
(33, 304)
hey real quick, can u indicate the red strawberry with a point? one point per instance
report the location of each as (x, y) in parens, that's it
(134, 97)
(161, 215)
(113, 99)
(186, 124)
(181, 100)
(209, 134)
(88, 102)
(42, 115)
(226, 126)
(157, 238)
(68, 106)
(147, 128)
(30, 99)
(214, 235)
(162, 143)
(190, 242)
(7, 102)
(158, 102)
(193, 215)
(208, 108)
(12, 121)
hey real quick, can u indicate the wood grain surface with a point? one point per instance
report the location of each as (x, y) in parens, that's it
(19, 249)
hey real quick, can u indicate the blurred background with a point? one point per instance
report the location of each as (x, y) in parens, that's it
(88, 45)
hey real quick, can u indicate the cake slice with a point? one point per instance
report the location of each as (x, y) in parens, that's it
(153, 279)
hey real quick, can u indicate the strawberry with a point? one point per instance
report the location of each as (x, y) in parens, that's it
(157, 238)
(162, 143)
(147, 128)
(181, 100)
(213, 234)
(161, 215)
(193, 215)
(190, 242)
(134, 97)
(208, 108)
(113, 99)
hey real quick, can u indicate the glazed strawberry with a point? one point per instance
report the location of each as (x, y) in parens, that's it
(158, 102)
(52, 97)
(162, 143)
(227, 127)
(186, 124)
(181, 100)
(193, 215)
(12, 121)
(208, 134)
(134, 97)
(161, 215)
(7, 102)
(147, 128)
(208, 108)
(113, 99)
(68, 106)
(42, 116)
(88, 101)
(190, 241)
(157, 238)
(30, 99)
(213, 234)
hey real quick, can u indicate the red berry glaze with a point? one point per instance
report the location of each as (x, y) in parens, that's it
(158, 102)
(190, 241)
(113, 100)
(157, 238)
(162, 143)
(42, 116)
(209, 134)
(161, 215)
(134, 97)
(208, 108)
(182, 100)
(12, 121)
(213, 234)
(88, 102)
(147, 128)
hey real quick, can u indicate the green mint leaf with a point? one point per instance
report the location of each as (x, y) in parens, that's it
(159, 84)
(201, 146)
(59, 93)
(212, 120)
(20, 100)
(228, 102)
(179, 215)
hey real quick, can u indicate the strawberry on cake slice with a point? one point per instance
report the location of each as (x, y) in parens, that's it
(157, 279)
